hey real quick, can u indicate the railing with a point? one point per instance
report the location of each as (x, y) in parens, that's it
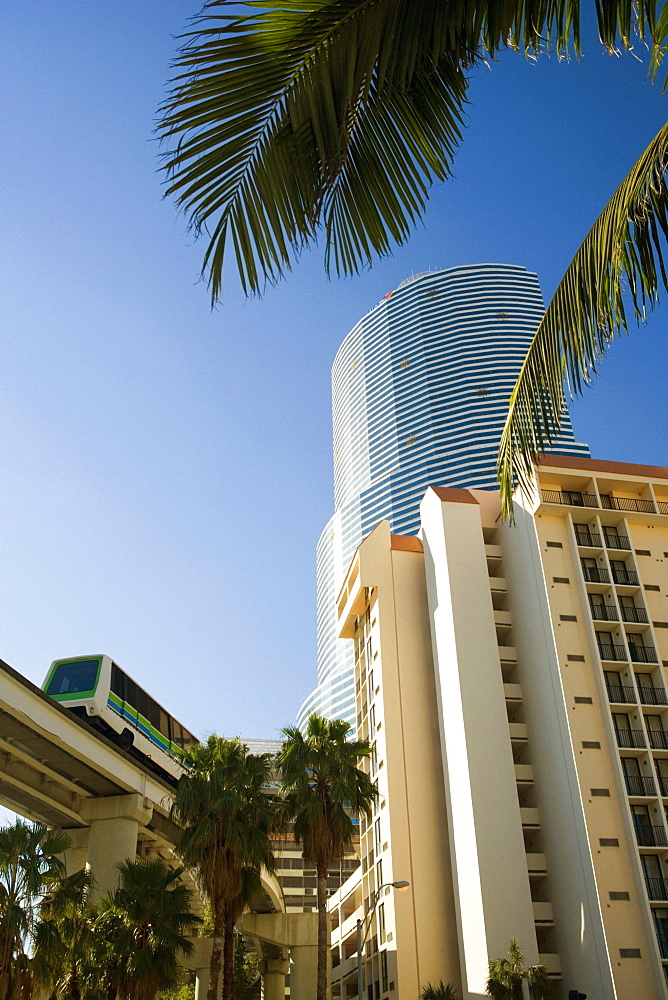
(627, 503)
(658, 739)
(594, 575)
(652, 696)
(657, 887)
(637, 615)
(588, 538)
(638, 784)
(630, 739)
(663, 943)
(648, 835)
(570, 498)
(642, 654)
(663, 784)
(621, 694)
(626, 578)
(610, 651)
(604, 612)
(617, 541)
(663, 506)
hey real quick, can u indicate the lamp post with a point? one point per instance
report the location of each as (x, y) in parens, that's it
(361, 937)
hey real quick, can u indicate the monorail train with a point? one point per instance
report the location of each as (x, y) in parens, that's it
(97, 690)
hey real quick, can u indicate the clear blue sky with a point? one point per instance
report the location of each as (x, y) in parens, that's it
(166, 470)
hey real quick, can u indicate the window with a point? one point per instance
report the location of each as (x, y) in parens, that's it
(383, 970)
(75, 677)
(381, 922)
(377, 839)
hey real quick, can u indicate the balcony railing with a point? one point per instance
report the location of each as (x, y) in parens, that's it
(663, 944)
(620, 694)
(657, 887)
(663, 784)
(648, 835)
(611, 651)
(652, 696)
(642, 654)
(625, 578)
(604, 612)
(658, 739)
(618, 542)
(593, 574)
(570, 498)
(630, 739)
(590, 539)
(637, 615)
(663, 506)
(638, 784)
(627, 503)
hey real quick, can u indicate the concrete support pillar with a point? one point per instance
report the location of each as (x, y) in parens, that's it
(273, 972)
(114, 823)
(303, 972)
(76, 856)
(201, 983)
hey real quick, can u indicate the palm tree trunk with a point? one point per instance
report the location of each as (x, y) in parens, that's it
(323, 936)
(216, 949)
(228, 954)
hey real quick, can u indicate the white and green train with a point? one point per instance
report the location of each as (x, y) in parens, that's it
(97, 690)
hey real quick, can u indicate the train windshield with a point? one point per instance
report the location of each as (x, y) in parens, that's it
(74, 677)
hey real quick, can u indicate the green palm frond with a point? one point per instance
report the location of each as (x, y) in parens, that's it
(336, 116)
(620, 262)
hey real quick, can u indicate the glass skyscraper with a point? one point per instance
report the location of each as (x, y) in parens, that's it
(420, 388)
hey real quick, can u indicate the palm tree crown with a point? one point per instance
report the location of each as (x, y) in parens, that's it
(507, 974)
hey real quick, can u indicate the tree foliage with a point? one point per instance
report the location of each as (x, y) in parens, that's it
(506, 976)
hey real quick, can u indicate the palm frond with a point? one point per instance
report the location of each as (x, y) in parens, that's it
(336, 116)
(620, 262)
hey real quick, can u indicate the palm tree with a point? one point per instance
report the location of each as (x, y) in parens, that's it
(322, 784)
(29, 866)
(226, 815)
(64, 939)
(337, 116)
(440, 992)
(507, 974)
(144, 927)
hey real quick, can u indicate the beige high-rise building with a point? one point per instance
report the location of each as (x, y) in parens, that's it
(513, 680)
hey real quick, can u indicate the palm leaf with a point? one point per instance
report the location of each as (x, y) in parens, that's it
(619, 262)
(336, 116)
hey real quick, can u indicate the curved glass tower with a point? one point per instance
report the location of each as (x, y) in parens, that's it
(420, 388)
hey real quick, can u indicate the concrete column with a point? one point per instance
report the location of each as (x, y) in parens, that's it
(201, 983)
(114, 823)
(75, 857)
(273, 972)
(303, 972)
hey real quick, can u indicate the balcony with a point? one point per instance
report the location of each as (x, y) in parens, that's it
(604, 613)
(630, 739)
(658, 739)
(518, 732)
(512, 692)
(657, 888)
(663, 785)
(588, 539)
(652, 696)
(663, 944)
(618, 542)
(611, 651)
(620, 694)
(530, 818)
(625, 578)
(637, 615)
(663, 506)
(569, 498)
(628, 503)
(593, 574)
(542, 914)
(536, 864)
(642, 654)
(638, 784)
(648, 835)
(524, 774)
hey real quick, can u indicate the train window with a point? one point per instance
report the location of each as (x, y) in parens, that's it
(164, 723)
(152, 712)
(75, 677)
(141, 701)
(118, 681)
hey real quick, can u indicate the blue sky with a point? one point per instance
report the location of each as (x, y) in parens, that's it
(166, 468)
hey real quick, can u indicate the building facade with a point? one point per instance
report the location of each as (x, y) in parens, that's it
(513, 678)
(419, 396)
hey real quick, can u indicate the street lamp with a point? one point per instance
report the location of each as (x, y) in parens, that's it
(361, 938)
